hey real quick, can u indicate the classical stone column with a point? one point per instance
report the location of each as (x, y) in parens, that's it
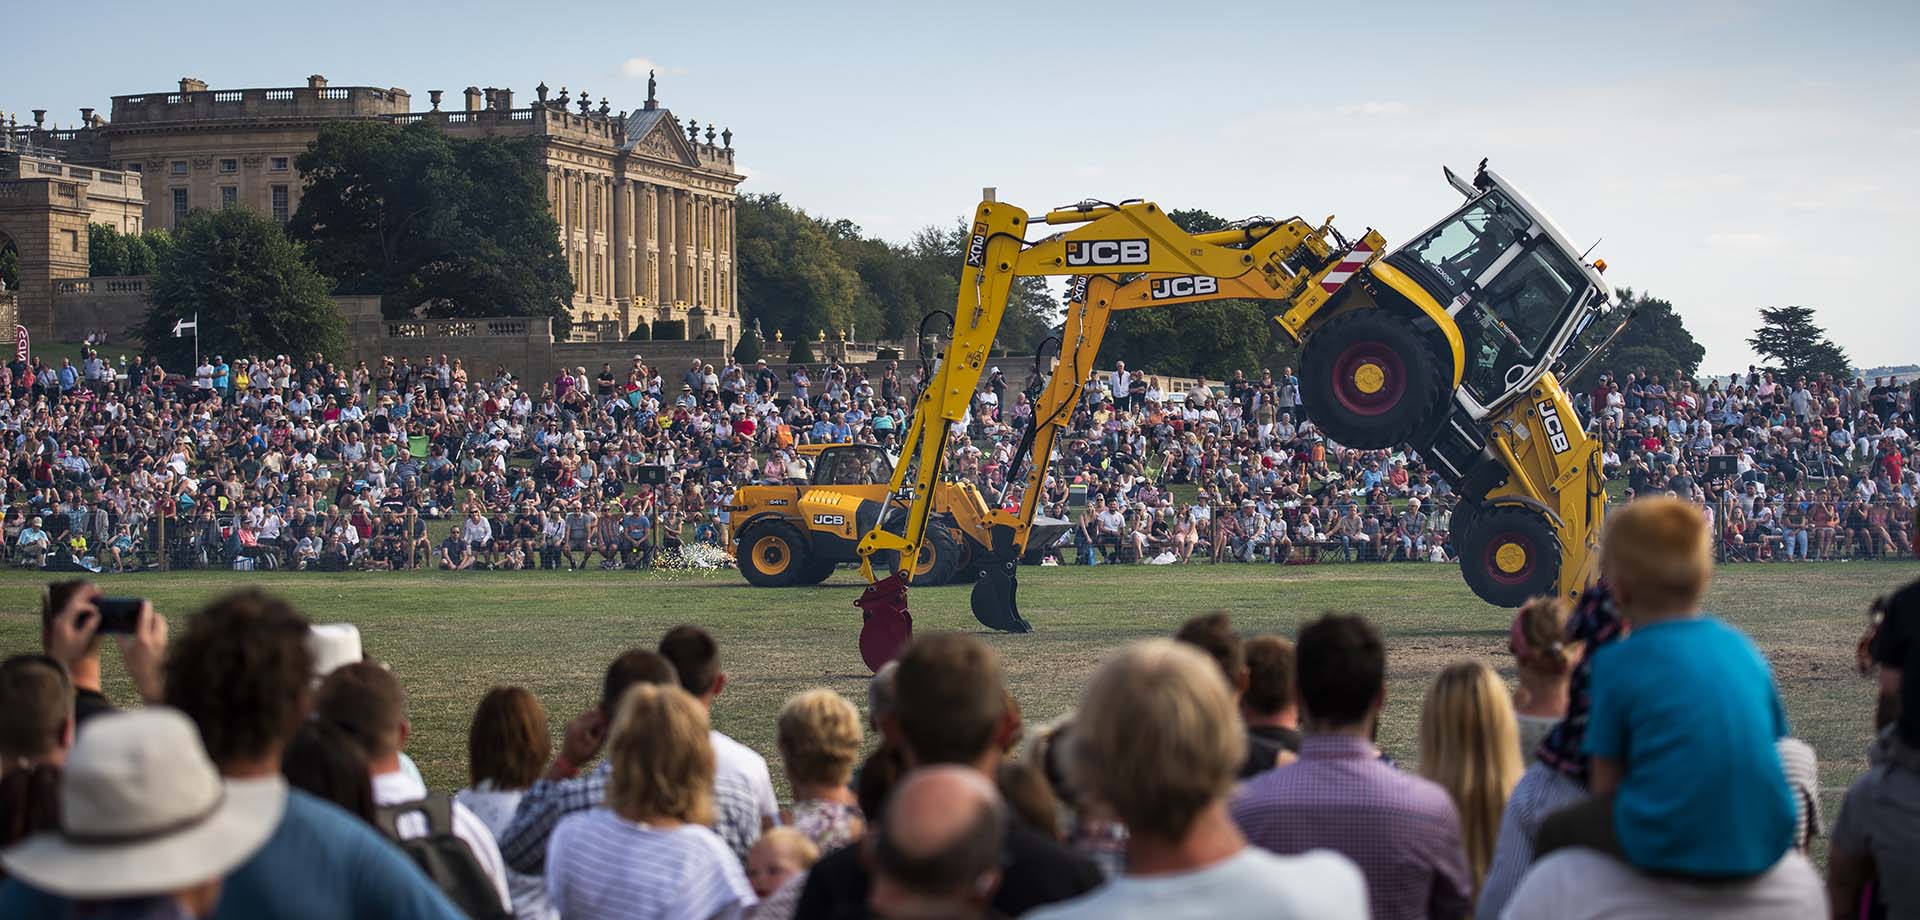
(670, 239)
(622, 238)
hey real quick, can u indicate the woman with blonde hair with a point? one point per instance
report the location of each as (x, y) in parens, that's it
(1544, 660)
(647, 852)
(819, 735)
(1469, 744)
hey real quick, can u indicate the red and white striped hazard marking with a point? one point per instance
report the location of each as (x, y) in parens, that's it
(1355, 259)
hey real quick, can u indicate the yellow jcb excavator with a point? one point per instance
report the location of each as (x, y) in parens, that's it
(1451, 345)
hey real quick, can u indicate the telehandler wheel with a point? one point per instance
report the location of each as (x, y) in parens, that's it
(939, 559)
(772, 554)
(1509, 555)
(1369, 380)
(817, 571)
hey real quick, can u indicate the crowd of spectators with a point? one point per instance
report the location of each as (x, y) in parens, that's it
(303, 464)
(1208, 774)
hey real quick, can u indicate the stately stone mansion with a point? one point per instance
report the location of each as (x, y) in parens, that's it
(644, 201)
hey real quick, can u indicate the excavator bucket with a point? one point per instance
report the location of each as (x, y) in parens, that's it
(887, 626)
(995, 595)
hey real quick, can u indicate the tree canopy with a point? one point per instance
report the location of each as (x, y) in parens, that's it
(1794, 346)
(437, 225)
(1655, 342)
(802, 275)
(110, 252)
(254, 290)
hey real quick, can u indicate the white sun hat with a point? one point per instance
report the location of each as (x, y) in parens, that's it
(144, 812)
(332, 645)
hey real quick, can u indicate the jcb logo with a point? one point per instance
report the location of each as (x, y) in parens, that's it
(977, 246)
(1106, 252)
(830, 520)
(1556, 432)
(1183, 286)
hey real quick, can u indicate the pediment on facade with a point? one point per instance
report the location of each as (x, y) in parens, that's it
(655, 134)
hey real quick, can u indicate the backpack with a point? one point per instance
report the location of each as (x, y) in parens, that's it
(444, 857)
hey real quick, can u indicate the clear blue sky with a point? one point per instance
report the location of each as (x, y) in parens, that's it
(1731, 154)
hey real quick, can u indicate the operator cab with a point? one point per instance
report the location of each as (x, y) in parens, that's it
(852, 465)
(1519, 292)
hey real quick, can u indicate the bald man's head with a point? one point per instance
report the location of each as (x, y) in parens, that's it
(938, 847)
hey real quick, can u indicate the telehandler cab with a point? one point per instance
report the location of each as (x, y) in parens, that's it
(1449, 345)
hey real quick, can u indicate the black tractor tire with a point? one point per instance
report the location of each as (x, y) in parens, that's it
(940, 558)
(1370, 380)
(1470, 495)
(1510, 555)
(772, 554)
(817, 571)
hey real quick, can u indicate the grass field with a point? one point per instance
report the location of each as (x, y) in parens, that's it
(451, 636)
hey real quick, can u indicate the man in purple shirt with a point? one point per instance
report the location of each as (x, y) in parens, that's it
(1340, 795)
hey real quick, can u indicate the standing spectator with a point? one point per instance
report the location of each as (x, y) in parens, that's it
(1876, 840)
(1683, 696)
(147, 828)
(1155, 740)
(1268, 706)
(561, 791)
(1403, 831)
(364, 700)
(70, 634)
(647, 853)
(36, 732)
(327, 763)
(743, 789)
(240, 671)
(507, 747)
(819, 739)
(938, 849)
(1213, 634)
(1468, 745)
(1543, 658)
(950, 707)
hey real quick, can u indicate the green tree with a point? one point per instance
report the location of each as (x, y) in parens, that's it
(1656, 341)
(106, 251)
(802, 353)
(748, 350)
(253, 289)
(791, 278)
(1794, 345)
(435, 225)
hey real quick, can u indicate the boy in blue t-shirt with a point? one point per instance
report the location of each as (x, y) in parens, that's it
(1684, 716)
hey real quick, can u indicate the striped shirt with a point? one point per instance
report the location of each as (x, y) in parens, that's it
(600, 865)
(1403, 831)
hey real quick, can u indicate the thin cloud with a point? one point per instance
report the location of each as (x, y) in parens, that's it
(637, 68)
(1383, 109)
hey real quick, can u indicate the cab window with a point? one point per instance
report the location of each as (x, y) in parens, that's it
(1508, 325)
(852, 466)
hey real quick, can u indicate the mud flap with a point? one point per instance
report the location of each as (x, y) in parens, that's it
(995, 595)
(887, 626)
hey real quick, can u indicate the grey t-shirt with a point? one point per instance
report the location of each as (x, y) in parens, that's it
(1252, 884)
(1880, 817)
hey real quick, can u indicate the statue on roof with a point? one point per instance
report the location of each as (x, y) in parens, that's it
(653, 87)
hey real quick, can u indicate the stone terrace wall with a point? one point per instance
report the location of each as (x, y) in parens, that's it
(113, 305)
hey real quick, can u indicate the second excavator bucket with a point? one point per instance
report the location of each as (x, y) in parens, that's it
(996, 594)
(887, 626)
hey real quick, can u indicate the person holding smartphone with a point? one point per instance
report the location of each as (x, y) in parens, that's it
(75, 617)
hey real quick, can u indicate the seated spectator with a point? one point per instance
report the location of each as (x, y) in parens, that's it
(70, 634)
(1157, 741)
(561, 791)
(743, 789)
(937, 849)
(147, 827)
(365, 701)
(1682, 696)
(776, 868)
(507, 747)
(647, 852)
(950, 707)
(325, 762)
(1543, 659)
(819, 737)
(1468, 746)
(1213, 634)
(36, 732)
(1268, 706)
(1402, 830)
